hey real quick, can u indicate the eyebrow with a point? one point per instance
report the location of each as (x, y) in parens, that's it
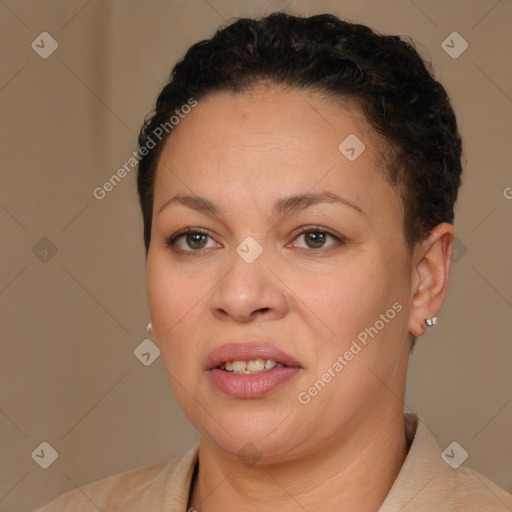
(194, 202)
(301, 201)
(282, 206)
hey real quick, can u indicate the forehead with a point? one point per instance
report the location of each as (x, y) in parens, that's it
(296, 118)
(272, 142)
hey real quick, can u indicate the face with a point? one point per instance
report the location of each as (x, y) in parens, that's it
(273, 246)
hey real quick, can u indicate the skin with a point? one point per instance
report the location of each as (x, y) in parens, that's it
(242, 152)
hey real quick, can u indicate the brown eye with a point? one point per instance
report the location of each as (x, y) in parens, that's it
(196, 240)
(315, 239)
(190, 241)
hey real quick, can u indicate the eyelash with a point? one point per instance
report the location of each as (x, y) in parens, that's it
(339, 240)
(171, 241)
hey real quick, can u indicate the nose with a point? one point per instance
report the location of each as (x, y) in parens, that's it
(249, 292)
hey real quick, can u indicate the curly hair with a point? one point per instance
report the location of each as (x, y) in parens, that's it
(383, 75)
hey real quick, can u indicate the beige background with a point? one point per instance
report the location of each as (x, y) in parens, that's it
(70, 324)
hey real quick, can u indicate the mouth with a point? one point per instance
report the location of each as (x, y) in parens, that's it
(251, 367)
(249, 357)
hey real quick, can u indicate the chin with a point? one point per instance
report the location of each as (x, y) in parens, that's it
(249, 433)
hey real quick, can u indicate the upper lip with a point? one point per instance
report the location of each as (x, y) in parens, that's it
(247, 351)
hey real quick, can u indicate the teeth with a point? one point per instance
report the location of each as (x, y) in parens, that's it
(252, 366)
(255, 365)
(239, 366)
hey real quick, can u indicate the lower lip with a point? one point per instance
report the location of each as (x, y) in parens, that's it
(256, 385)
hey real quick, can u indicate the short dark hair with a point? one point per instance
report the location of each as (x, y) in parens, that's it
(384, 75)
(410, 112)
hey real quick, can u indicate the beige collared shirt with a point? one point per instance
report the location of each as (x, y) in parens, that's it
(426, 483)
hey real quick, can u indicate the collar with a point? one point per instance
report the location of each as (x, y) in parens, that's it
(423, 479)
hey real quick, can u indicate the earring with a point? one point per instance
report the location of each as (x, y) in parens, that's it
(430, 322)
(149, 328)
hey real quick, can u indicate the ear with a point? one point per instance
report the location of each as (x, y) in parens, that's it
(431, 267)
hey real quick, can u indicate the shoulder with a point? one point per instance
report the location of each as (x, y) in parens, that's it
(120, 490)
(142, 488)
(427, 481)
(475, 492)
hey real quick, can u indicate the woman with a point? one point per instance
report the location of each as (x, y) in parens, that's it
(297, 183)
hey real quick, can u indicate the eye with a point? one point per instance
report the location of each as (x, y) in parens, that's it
(314, 238)
(191, 240)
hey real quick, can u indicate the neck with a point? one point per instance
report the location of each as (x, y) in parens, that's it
(356, 474)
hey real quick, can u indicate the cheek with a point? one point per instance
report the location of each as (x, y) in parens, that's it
(350, 302)
(177, 304)
(170, 293)
(347, 297)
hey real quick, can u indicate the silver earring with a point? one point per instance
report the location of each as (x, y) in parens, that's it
(149, 328)
(430, 322)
